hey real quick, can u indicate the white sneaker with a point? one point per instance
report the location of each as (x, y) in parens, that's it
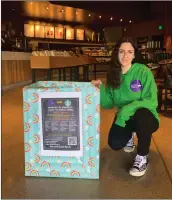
(140, 166)
(130, 145)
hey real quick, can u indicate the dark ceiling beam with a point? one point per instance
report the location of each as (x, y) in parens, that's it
(136, 10)
(15, 10)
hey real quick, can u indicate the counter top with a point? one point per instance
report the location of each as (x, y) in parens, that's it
(10, 55)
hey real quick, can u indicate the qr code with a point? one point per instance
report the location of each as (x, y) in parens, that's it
(72, 140)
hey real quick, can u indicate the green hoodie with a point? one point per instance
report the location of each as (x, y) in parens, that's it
(137, 90)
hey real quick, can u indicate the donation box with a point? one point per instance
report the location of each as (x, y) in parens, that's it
(62, 129)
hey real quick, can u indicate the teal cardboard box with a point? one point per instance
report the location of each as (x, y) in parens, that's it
(61, 129)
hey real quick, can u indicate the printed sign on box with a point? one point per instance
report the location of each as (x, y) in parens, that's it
(61, 127)
(61, 124)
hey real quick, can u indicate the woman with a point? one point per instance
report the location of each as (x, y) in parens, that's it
(132, 89)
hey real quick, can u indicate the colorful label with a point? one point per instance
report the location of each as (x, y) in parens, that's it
(136, 86)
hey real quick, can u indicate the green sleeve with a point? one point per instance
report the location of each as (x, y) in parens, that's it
(148, 99)
(106, 97)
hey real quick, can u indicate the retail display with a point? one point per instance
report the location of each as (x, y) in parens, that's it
(103, 60)
(101, 54)
(95, 51)
(53, 53)
(56, 59)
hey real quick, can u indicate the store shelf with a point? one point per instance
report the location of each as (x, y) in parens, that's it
(49, 62)
(68, 42)
(101, 56)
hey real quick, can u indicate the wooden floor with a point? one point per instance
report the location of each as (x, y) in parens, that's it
(114, 182)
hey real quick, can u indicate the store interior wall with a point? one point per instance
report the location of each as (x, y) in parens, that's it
(113, 34)
(148, 28)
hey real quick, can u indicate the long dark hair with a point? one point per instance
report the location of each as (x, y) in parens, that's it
(113, 75)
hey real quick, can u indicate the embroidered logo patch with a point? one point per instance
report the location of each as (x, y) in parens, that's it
(136, 86)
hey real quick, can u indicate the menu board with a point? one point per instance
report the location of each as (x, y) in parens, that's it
(29, 30)
(61, 126)
(79, 34)
(39, 31)
(59, 32)
(69, 34)
(49, 32)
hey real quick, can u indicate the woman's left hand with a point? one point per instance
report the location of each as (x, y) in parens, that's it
(96, 83)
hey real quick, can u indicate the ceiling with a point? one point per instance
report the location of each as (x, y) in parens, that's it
(128, 9)
(73, 11)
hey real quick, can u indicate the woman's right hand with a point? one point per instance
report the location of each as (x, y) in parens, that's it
(96, 83)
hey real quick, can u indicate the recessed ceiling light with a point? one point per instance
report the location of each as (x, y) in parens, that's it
(13, 9)
(89, 15)
(111, 18)
(130, 21)
(100, 17)
(121, 20)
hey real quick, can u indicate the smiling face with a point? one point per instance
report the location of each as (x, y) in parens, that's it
(126, 54)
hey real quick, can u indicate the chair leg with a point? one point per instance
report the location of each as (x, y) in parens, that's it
(64, 74)
(165, 103)
(59, 70)
(49, 74)
(159, 99)
(71, 73)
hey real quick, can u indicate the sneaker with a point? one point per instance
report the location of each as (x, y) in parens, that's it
(130, 145)
(140, 166)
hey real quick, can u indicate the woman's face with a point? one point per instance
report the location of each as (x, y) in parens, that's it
(126, 54)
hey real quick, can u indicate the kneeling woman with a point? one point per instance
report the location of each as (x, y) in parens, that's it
(132, 89)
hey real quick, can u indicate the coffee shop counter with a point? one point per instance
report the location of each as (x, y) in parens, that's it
(15, 69)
